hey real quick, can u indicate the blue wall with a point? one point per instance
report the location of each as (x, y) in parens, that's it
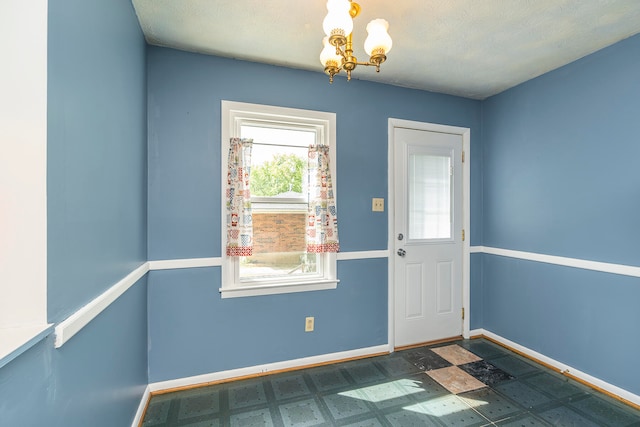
(96, 178)
(560, 178)
(96, 170)
(96, 379)
(191, 330)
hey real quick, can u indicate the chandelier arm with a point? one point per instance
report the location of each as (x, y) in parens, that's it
(341, 53)
(370, 64)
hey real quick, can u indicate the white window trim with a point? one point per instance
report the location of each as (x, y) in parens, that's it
(232, 114)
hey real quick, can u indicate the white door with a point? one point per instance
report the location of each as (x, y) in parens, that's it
(428, 236)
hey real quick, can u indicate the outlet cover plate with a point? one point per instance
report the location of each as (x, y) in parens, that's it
(308, 324)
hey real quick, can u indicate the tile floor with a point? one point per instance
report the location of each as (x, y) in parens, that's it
(464, 383)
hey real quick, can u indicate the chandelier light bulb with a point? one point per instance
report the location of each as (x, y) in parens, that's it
(378, 38)
(338, 21)
(328, 54)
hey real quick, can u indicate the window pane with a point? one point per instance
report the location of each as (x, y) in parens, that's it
(278, 171)
(279, 180)
(429, 196)
(279, 248)
(278, 135)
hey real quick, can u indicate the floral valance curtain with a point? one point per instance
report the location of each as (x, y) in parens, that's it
(239, 221)
(322, 223)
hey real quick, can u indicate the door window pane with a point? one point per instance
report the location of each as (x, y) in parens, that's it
(429, 196)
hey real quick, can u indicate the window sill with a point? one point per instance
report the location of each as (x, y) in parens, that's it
(256, 290)
(15, 341)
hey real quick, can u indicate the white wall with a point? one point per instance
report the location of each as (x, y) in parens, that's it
(23, 162)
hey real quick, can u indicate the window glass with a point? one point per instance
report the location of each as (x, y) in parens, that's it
(429, 196)
(279, 184)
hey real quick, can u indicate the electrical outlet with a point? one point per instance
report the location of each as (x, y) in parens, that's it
(377, 204)
(308, 324)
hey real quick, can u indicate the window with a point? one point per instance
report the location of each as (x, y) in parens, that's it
(429, 193)
(279, 262)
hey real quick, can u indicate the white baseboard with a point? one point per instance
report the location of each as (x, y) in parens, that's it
(266, 368)
(137, 420)
(563, 368)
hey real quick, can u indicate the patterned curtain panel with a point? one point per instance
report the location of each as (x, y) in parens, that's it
(239, 221)
(322, 224)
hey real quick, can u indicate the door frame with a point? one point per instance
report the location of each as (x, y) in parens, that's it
(466, 223)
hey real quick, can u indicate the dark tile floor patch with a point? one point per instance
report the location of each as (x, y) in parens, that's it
(345, 405)
(411, 417)
(491, 404)
(608, 413)
(421, 388)
(426, 360)
(363, 372)
(244, 394)
(483, 348)
(328, 378)
(157, 413)
(395, 390)
(525, 395)
(513, 365)
(525, 420)
(397, 366)
(258, 417)
(566, 417)
(290, 386)
(486, 372)
(369, 422)
(199, 404)
(302, 414)
(555, 386)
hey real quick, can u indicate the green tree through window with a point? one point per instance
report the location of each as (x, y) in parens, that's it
(281, 174)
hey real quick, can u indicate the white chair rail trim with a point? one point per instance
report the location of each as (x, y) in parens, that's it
(169, 264)
(605, 267)
(74, 323)
(78, 320)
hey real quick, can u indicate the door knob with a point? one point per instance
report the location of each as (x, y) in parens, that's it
(402, 252)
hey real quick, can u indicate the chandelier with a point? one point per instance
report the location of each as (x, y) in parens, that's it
(337, 53)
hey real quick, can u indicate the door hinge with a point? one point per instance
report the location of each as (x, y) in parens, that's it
(463, 235)
(462, 156)
(462, 313)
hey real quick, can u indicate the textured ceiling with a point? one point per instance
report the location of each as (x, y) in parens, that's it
(470, 48)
